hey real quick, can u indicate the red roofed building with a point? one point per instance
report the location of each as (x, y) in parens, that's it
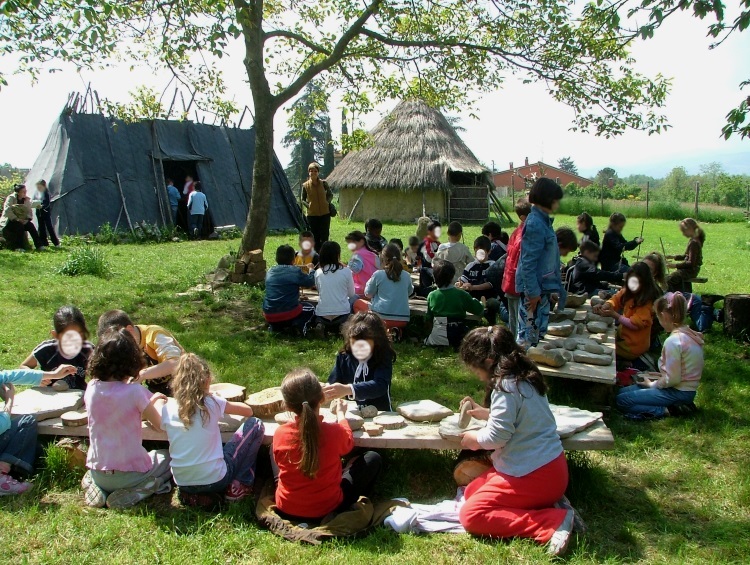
(518, 179)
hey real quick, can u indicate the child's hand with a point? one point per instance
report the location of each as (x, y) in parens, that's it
(158, 396)
(639, 240)
(341, 408)
(476, 411)
(336, 390)
(607, 310)
(469, 441)
(64, 371)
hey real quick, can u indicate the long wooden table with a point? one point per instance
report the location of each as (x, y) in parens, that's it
(414, 436)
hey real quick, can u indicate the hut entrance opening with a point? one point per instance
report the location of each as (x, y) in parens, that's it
(178, 171)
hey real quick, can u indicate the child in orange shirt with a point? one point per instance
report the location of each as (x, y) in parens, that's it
(631, 308)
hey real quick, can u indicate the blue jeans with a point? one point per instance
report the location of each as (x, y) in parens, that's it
(531, 330)
(635, 399)
(18, 444)
(196, 223)
(175, 214)
(513, 307)
(240, 456)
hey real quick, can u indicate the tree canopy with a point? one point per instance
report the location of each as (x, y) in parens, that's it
(567, 164)
(439, 50)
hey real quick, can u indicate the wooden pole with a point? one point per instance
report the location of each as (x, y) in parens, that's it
(125, 206)
(638, 255)
(602, 195)
(356, 204)
(648, 187)
(664, 254)
(697, 190)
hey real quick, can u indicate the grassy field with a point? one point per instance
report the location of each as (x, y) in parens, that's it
(673, 491)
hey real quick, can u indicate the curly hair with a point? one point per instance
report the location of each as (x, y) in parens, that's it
(368, 325)
(189, 388)
(117, 356)
(494, 349)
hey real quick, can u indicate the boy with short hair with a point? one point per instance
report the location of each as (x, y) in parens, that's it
(281, 305)
(174, 199)
(476, 282)
(494, 232)
(522, 209)
(427, 252)
(454, 251)
(412, 253)
(447, 307)
(584, 276)
(197, 206)
(161, 348)
(373, 235)
(306, 257)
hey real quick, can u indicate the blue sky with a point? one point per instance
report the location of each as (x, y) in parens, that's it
(515, 122)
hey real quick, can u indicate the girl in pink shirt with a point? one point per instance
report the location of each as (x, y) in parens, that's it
(363, 263)
(671, 391)
(121, 472)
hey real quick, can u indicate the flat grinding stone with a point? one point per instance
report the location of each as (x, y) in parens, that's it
(45, 403)
(551, 358)
(449, 428)
(390, 421)
(566, 314)
(597, 327)
(571, 420)
(424, 411)
(553, 344)
(576, 300)
(372, 430)
(604, 319)
(75, 418)
(561, 329)
(592, 359)
(228, 391)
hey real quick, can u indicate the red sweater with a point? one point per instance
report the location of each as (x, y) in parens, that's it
(511, 262)
(299, 495)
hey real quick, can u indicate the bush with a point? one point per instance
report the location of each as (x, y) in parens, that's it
(660, 210)
(57, 471)
(86, 261)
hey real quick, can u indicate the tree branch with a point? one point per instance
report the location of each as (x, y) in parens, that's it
(296, 37)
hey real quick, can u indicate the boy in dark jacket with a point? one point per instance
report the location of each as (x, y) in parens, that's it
(584, 276)
(281, 305)
(614, 244)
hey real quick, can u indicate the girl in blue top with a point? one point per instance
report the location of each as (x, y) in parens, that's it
(389, 290)
(538, 274)
(364, 366)
(18, 434)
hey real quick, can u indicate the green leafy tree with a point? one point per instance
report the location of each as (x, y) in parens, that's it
(731, 190)
(678, 185)
(567, 164)
(603, 176)
(441, 51)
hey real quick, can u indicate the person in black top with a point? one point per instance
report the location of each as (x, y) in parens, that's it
(614, 244)
(583, 276)
(44, 216)
(587, 229)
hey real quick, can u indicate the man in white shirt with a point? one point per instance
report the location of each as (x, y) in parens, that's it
(197, 207)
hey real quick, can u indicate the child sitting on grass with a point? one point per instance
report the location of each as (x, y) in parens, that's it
(121, 472)
(673, 390)
(160, 347)
(412, 253)
(615, 244)
(447, 307)
(690, 263)
(18, 433)
(631, 308)
(373, 234)
(427, 250)
(307, 456)
(498, 239)
(523, 494)
(364, 365)
(69, 346)
(306, 257)
(363, 263)
(475, 281)
(200, 466)
(584, 276)
(400, 244)
(335, 284)
(454, 251)
(281, 305)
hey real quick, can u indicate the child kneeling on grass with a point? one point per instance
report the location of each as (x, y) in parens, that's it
(673, 391)
(523, 494)
(281, 305)
(307, 456)
(447, 307)
(18, 433)
(191, 419)
(121, 472)
(364, 365)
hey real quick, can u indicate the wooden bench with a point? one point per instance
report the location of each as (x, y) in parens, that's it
(598, 437)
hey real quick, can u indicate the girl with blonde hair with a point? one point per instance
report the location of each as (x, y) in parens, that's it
(687, 266)
(191, 419)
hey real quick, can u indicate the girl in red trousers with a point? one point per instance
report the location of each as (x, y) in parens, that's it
(523, 494)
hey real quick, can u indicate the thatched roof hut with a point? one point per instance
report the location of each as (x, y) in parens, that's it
(416, 164)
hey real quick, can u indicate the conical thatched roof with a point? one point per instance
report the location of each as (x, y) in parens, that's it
(413, 148)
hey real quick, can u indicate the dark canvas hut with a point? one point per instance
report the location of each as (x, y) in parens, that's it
(102, 170)
(417, 164)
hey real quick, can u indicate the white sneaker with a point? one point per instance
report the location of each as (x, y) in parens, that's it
(558, 545)
(578, 524)
(10, 486)
(92, 494)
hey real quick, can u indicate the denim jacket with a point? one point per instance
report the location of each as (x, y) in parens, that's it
(282, 288)
(539, 266)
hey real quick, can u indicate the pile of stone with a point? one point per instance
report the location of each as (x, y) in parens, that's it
(250, 268)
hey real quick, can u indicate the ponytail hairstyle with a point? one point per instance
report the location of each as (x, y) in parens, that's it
(302, 395)
(189, 388)
(659, 269)
(390, 259)
(368, 325)
(648, 291)
(586, 219)
(698, 232)
(329, 258)
(676, 305)
(494, 349)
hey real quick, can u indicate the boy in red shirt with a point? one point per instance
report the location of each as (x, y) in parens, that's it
(523, 209)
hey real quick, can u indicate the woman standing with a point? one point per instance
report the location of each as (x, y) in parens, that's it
(317, 197)
(16, 219)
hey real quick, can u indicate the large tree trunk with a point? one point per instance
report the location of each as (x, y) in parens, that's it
(737, 316)
(256, 228)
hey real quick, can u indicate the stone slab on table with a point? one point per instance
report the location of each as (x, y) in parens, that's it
(597, 437)
(46, 403)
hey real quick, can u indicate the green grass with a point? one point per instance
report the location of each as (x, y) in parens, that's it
(673, 491)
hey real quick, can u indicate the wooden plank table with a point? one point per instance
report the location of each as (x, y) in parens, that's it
(598, 437)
